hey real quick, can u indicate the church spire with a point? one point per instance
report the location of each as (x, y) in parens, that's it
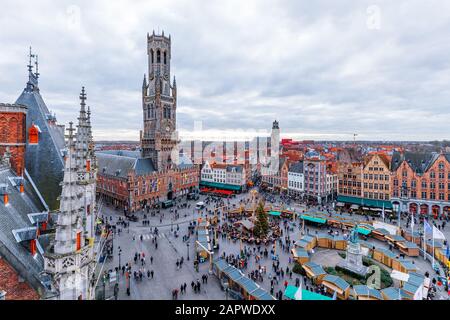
(32, 77)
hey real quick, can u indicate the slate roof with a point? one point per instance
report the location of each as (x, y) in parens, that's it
(238, 169)
(143, 166)
(419, 162)
(14, 217)
(46, 171)
(296, 167)
(119, 166)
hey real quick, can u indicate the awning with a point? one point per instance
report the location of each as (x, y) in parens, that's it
(354, 206)
(306, 295)
(340, 204)
(275, 213)
(365, 202)
(363, 231)
(314, 219)
(220, 185)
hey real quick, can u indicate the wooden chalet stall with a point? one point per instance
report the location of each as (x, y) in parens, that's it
(324, 240)
(312, 219)
(392, 293)
(408, 248)
(336, 284)
(202, 244)
(300, 255)
(438, 244)
(395, 239)
(314, 272)
(412, 237)
(384, 256)
(403, 265)
(306, 242)
(380, 234)
(238, 282)
(363, 292)
(339, 243)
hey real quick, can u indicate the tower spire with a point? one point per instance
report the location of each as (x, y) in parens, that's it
(83, 99)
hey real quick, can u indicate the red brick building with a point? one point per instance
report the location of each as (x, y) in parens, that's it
(13, 134)
(420, 183)
(125, 180)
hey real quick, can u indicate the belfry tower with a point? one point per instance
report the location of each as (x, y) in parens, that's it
(159, 103)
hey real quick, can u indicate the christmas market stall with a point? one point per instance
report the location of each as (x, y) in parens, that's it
(202, 244)
(336, 284)
(324, 240)
(384, 256)
(403, 265)
(238, 284)
(300, 255)
(339, 243)
(314, 272)
(392, 293)
(380, 234)
(306, 242)
(408, 248)
(412, 236)
(295, 293)
(395, 239)
(363, 292)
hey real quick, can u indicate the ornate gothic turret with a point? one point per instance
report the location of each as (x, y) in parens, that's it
(86, 166)
(70, 258)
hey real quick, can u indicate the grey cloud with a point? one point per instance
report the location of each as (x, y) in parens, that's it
(314, 66)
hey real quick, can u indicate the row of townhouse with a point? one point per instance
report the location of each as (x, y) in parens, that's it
(310, 178)
(223, 176)
(407, 182)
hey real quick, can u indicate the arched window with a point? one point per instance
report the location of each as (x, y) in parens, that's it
(151, 55)
(3, 130)
(158, 56)
(168, 112)
(441, 166)
(165, 57)
(13, 126)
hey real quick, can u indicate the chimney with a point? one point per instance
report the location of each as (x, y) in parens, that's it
(21, 188)
(5, 199)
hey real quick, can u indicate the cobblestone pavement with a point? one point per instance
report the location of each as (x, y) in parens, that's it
(170, 248)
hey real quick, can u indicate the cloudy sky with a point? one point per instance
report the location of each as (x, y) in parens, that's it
(324, 69)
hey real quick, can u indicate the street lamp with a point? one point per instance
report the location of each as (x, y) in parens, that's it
(187, 246)
(120, 251)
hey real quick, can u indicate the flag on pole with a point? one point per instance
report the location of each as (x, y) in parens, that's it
(426, 227)
(437, 234)
(298, 293)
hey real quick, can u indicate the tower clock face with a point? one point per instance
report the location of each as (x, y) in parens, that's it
(168, 128)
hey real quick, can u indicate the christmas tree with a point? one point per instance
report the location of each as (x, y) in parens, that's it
(261, 224)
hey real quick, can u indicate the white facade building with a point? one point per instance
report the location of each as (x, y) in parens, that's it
(223, 173)
(296, 179)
